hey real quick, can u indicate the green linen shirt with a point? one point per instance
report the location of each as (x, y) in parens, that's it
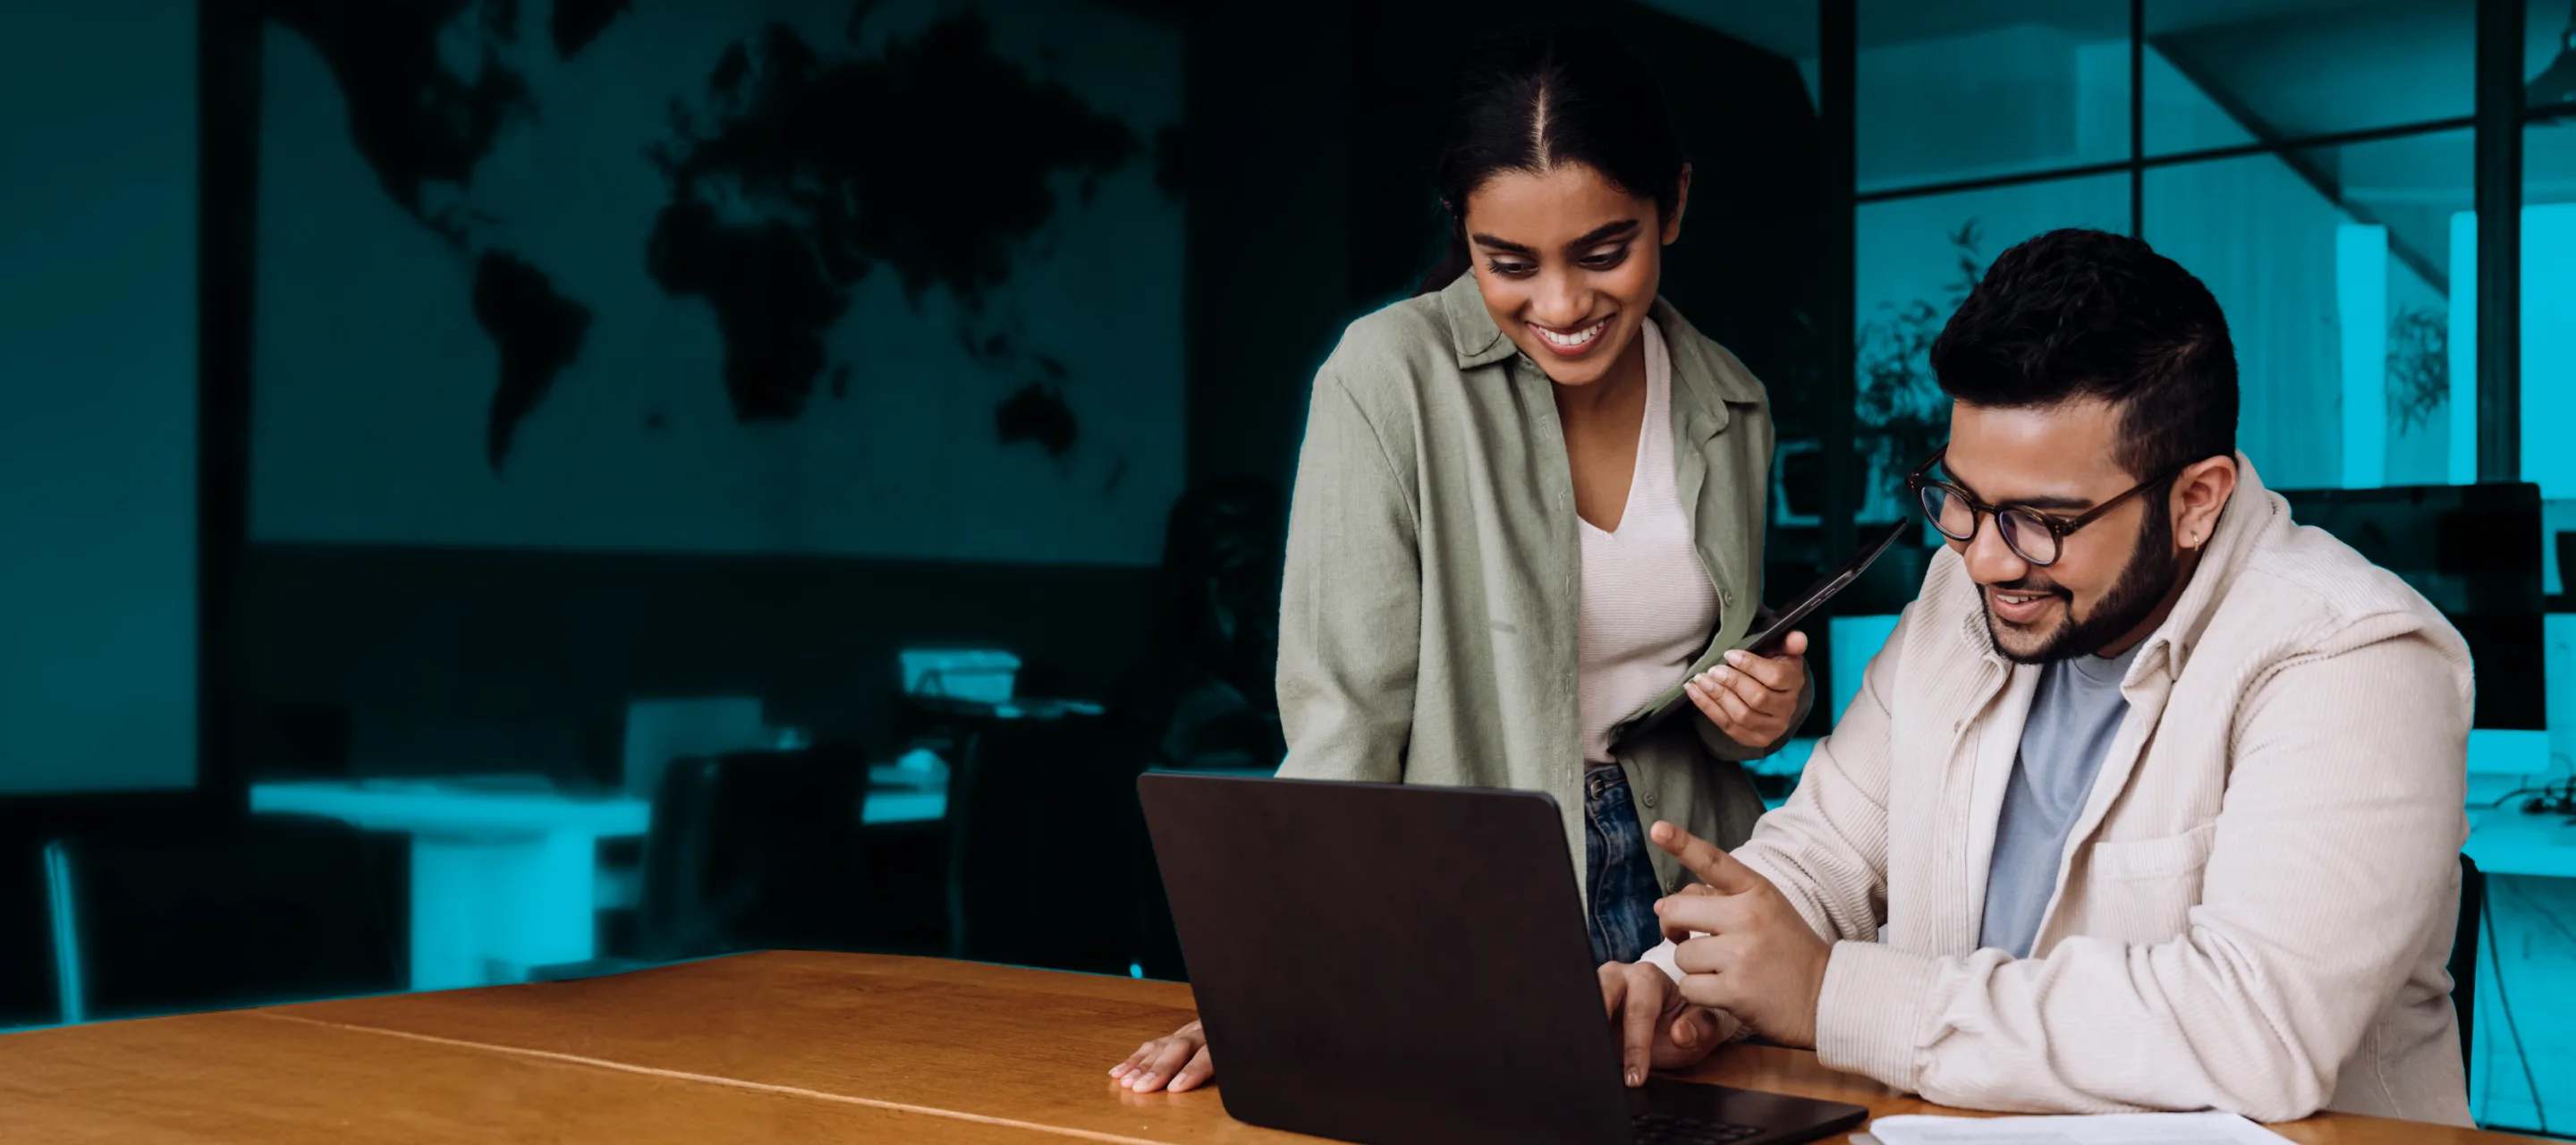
(1427, 627)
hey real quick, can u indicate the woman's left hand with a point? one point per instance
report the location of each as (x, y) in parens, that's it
(1752, 698)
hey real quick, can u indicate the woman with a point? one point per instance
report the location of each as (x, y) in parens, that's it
(1528, 515)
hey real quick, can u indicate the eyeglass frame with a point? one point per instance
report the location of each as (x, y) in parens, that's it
(2059, 528)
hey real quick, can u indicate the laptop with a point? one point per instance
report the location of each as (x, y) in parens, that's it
(1409, 966)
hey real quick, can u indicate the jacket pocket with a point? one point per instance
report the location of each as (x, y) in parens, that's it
(2129, 860)
(2139, 890)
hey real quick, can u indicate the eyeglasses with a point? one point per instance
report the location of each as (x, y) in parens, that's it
(2032, 535)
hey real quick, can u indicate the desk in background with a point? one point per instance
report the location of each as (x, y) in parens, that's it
(501, 879)
(505, 878)
(776, 1046)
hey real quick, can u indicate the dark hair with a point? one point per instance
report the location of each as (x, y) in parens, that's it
(2083, 313)
(1531, 98)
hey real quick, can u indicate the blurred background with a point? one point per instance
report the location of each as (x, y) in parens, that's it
(504, 490)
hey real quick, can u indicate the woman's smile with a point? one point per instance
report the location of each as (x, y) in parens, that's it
(1574, 342)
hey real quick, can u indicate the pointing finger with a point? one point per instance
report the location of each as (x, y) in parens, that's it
(1713, 866)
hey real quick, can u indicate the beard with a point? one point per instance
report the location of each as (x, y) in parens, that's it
(2141, 587)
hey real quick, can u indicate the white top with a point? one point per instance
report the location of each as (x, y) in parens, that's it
(1648, 605)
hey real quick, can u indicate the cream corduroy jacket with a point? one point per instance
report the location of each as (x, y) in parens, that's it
(2253, 911)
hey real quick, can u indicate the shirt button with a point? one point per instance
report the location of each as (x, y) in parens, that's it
(1727, 598)
(1649, 799)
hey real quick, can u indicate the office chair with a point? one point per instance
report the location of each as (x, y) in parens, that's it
(662, 730)
(2464, 954)
(1043, 830)
(27, 988)
(268, 909)
(780, 853)
(747, 851)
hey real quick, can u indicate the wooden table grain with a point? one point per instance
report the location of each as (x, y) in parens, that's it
(779, 1046)
(250, 1076)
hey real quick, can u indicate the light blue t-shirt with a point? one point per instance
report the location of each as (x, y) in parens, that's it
(2073, 718)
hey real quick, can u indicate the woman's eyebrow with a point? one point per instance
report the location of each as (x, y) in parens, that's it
(1605, 232)
(1600, 234)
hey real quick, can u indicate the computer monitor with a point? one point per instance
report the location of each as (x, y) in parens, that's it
(2472, 550)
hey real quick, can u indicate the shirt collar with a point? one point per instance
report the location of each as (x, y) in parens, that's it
(1471, 328)
(2250, 514)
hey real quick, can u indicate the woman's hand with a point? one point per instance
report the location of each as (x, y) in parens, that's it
(1752, 698)
(1178, 1063)
(1657, 1028)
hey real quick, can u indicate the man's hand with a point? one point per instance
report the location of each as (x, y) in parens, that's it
(1658, 1029)
(1756, 958)
(1752, 698)
(1177, 1063)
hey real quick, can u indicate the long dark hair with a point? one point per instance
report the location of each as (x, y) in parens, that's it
(1531, 98)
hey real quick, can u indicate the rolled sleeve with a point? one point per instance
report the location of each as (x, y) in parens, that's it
(1870, 1017)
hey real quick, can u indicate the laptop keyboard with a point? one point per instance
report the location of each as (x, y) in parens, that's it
(1657, 1129)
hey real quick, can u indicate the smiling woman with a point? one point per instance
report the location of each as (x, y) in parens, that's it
(1528, 517)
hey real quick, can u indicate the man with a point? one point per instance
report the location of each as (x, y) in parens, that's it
(2153, 800)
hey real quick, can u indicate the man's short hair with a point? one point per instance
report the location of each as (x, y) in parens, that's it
(2084, 313)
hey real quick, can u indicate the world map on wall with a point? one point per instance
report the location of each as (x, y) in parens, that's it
(794, 170)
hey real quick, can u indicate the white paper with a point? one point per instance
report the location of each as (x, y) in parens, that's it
(2098, 1129)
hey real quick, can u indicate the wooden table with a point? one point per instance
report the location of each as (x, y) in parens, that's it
(760, 1047)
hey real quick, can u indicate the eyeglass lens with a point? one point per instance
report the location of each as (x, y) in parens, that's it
(2021, 528)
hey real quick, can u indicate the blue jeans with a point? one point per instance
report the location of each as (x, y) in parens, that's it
(1621, 915)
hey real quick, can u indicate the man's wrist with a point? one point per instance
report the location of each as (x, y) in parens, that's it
(1820, 962)
(1871, 1009)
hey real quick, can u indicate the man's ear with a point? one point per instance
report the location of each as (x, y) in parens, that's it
(2199, 493)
